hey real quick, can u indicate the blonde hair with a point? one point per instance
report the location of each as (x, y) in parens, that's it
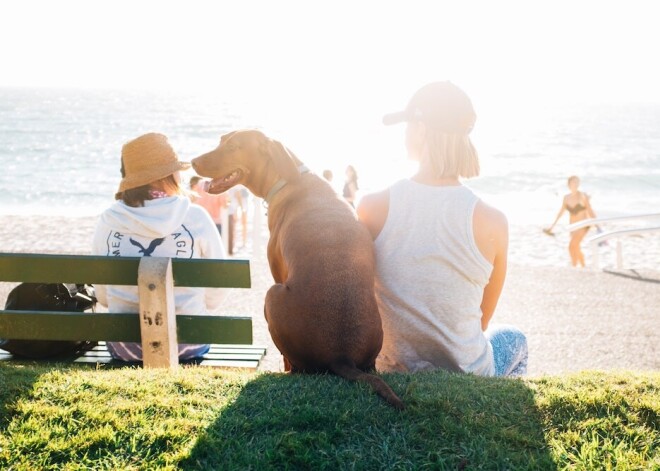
(451, 155)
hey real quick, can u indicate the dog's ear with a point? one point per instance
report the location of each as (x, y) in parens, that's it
(226, 136)
(286, 164)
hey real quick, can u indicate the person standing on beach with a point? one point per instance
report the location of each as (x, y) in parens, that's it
(327, 174)
(152, 217)
(244, 207)
(214, 204)
(351, 185)
(237, 208)
(441, 252)
(579, 208)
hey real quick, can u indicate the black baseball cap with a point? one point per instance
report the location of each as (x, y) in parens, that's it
(440, 105)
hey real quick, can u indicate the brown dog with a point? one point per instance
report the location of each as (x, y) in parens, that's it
(322, 312)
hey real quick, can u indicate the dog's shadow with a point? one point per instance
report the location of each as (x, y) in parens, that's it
(451, 421)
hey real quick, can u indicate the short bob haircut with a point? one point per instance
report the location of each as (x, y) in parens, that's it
(448, 117)
(451, 155)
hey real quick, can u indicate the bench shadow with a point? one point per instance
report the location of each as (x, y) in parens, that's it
(16, 383)
(451, 421)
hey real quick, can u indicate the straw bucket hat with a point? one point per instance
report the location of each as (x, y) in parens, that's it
(147, 159)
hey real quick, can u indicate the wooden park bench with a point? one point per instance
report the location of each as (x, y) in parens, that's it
(156, 326)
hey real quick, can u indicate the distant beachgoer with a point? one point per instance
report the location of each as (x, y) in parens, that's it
(243, 206)
(579, 208)
(327, 174)
(330, 178)
(214, 204)
(153, 217)
(441, 252)
(237, 207)
(351, 185)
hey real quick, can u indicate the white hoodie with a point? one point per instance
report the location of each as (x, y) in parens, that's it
(166, 227)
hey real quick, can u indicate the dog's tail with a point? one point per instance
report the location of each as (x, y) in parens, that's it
(348, 370)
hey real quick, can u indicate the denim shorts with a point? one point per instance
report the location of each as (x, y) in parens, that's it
(509, 350)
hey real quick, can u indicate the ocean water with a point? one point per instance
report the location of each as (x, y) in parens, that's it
(60, 151)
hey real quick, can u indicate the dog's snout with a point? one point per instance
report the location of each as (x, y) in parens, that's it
(194, 163)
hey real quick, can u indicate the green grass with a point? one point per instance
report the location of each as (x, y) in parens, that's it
(199, 418)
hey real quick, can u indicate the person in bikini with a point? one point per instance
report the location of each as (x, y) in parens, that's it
(579, 208)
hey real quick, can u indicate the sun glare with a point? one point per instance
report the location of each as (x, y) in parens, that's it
(325, 73)
(361, 52)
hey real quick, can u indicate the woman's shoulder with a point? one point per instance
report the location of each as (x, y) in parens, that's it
(195, 208)
(198, 216)
(487, 216)
(375, 200)
(372, 210)
(491, 231)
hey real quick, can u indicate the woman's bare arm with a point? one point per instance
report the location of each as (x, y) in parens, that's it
(491, 230)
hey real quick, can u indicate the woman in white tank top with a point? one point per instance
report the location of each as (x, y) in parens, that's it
(441, 252)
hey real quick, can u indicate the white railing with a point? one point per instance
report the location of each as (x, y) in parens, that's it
(595, 240)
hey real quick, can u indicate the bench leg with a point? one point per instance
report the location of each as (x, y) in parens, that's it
(157, 314)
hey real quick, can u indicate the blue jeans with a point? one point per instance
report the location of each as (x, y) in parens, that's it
(509, 350)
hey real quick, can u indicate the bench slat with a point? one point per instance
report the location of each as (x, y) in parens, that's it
(252, 365)
(37, 325)
(226, 348)
(211, 273)
(233, 356)
(95, 269)
(119, 327)
(214, 329)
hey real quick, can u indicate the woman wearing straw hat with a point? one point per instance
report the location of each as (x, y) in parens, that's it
(440, 251)
(152, 217)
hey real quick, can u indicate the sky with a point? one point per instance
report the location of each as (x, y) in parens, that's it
(326, 72)
(344, 52)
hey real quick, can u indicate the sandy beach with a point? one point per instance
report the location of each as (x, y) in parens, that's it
(575, 319)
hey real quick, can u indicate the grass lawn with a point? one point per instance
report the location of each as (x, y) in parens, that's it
(61, 417)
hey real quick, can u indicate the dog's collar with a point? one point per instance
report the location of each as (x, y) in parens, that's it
(281, 183)
(273, 191)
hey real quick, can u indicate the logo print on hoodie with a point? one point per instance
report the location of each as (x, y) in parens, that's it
(179, 243)
(149, 250)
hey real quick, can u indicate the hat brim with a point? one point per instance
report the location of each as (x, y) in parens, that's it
(156, 174)
(395, 118)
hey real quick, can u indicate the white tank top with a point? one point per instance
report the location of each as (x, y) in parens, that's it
(430, 281)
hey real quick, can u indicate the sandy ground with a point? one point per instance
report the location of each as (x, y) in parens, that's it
(575, 319)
